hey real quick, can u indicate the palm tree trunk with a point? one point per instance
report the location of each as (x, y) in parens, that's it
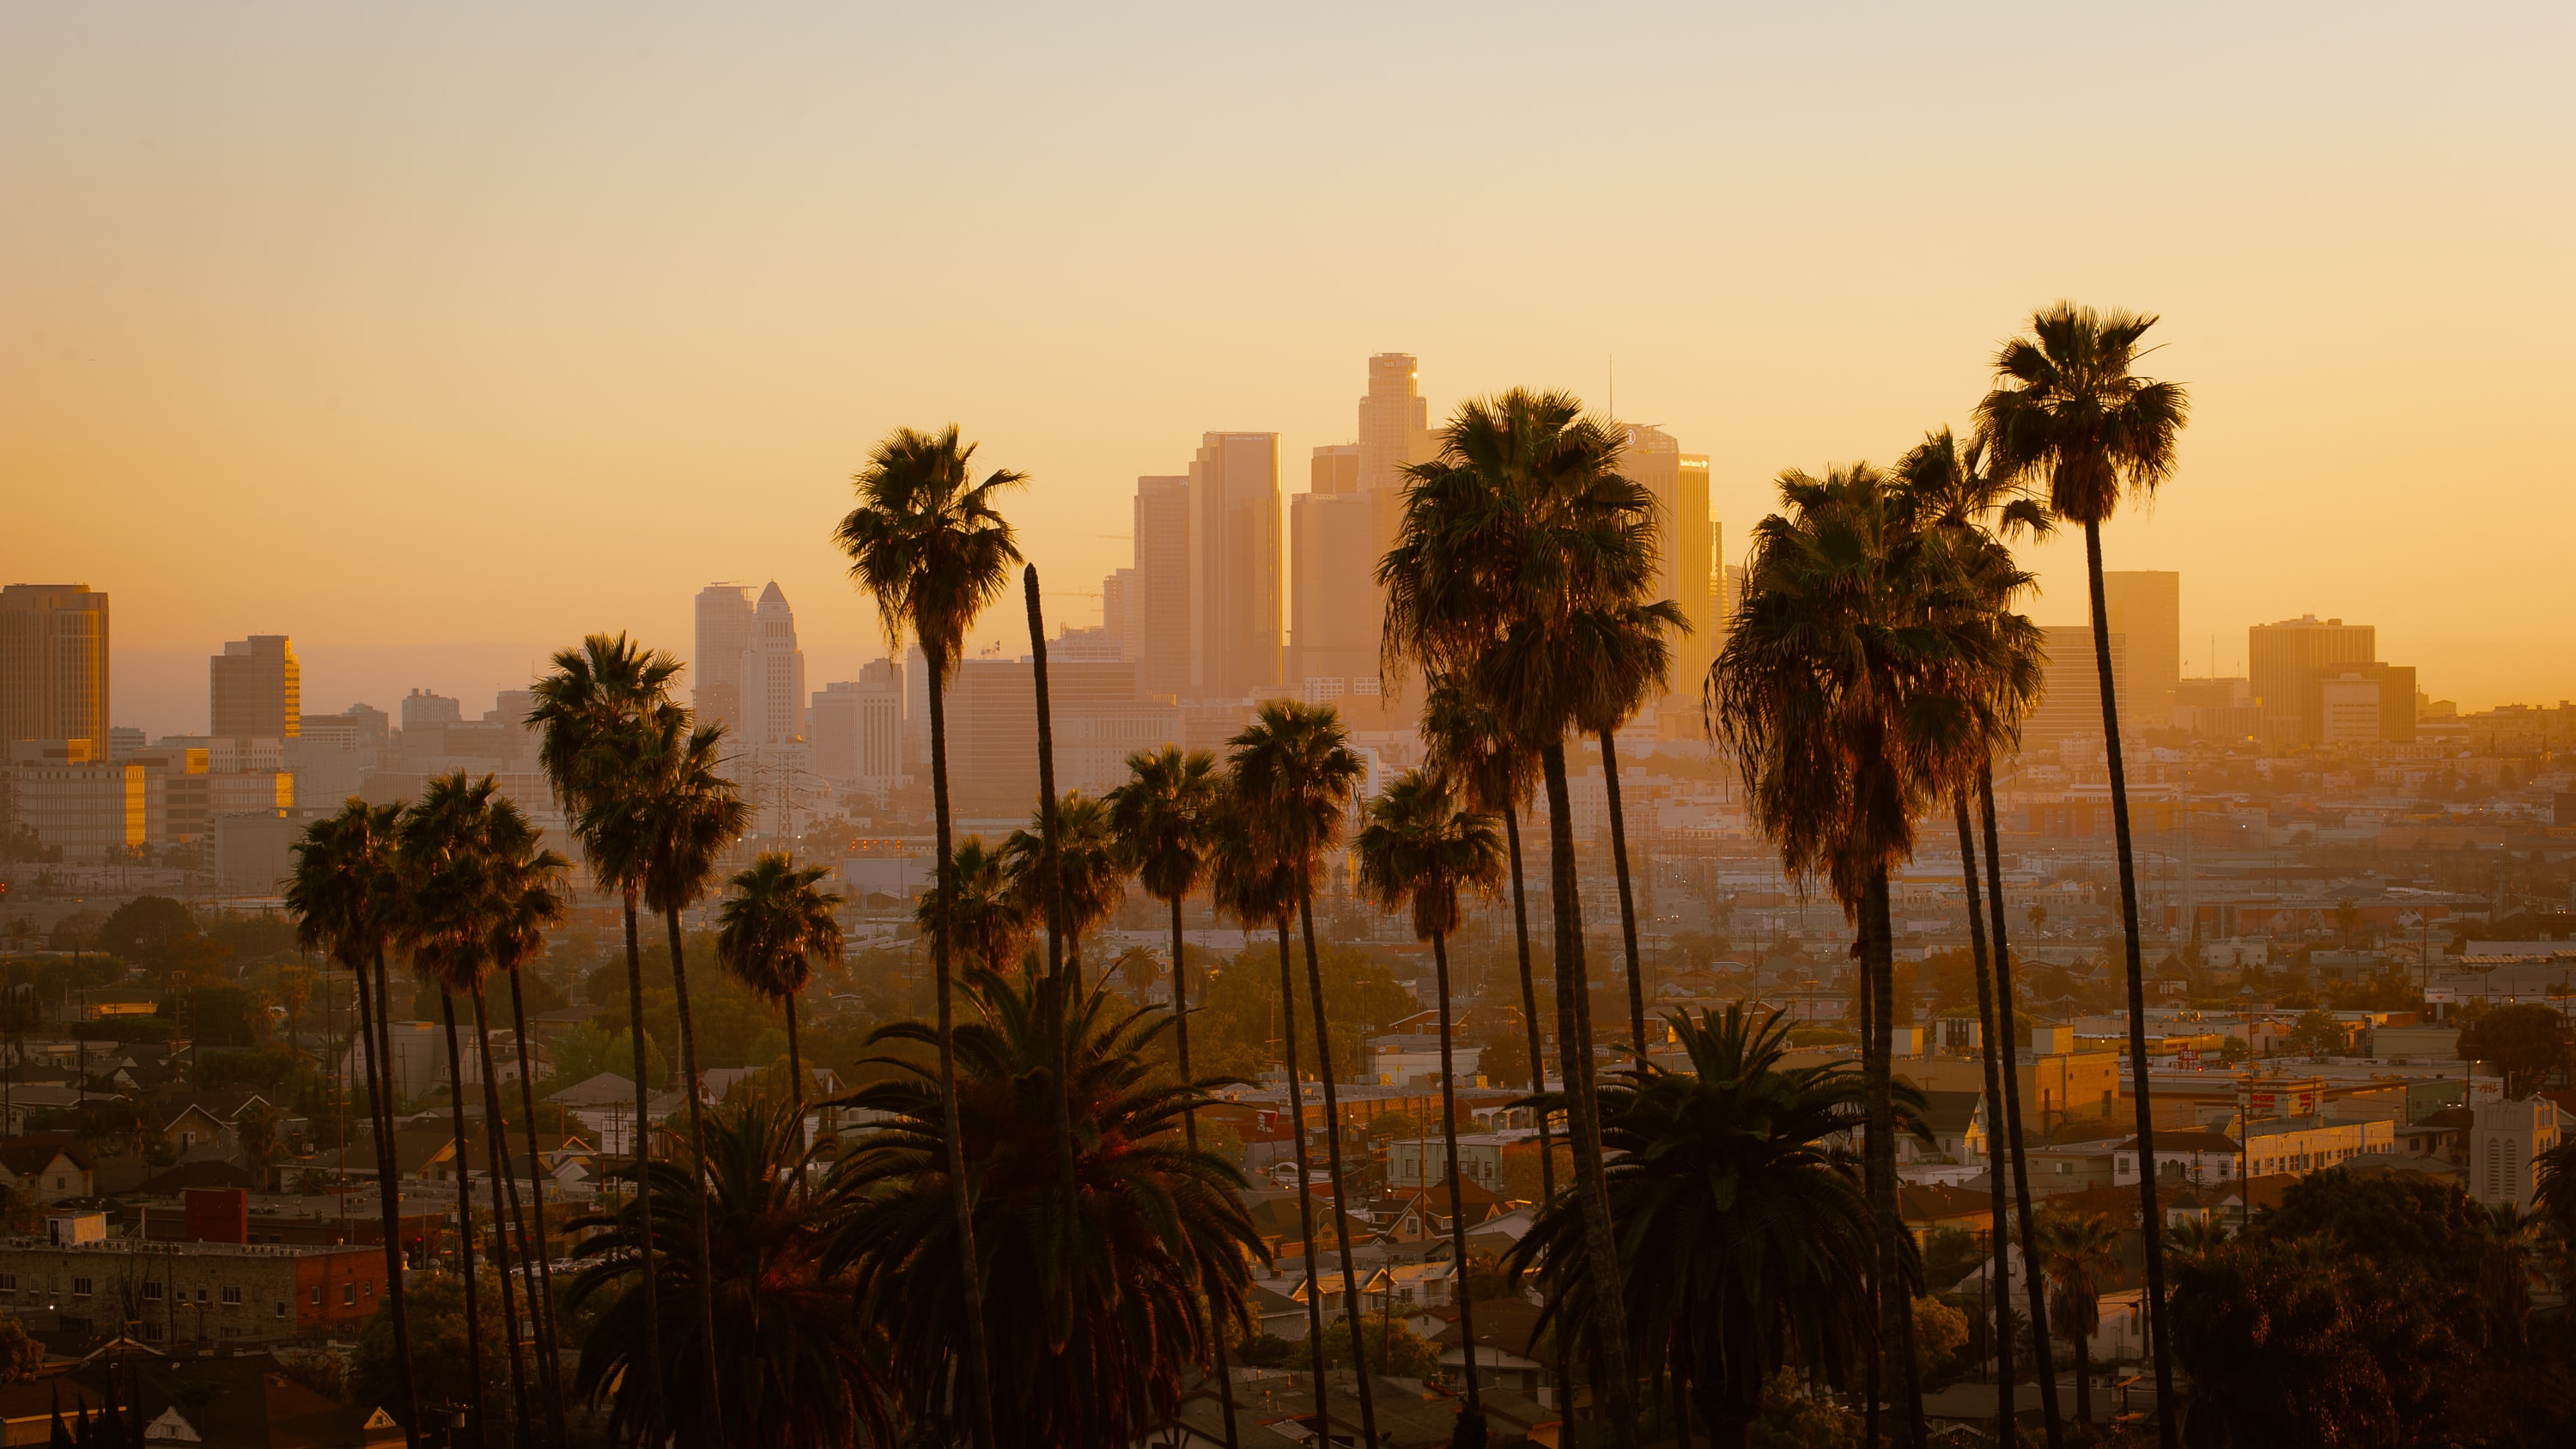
(656, 1421)
(465, 1226)
(380, 1126)
(795, 1073)
(2044, 1358)
(978, 1376)
(1305, 1196)
(1617, 1388)
(1537, 1053)
(542, 1305)
(1681, 1390)
(1878, 1148)
(1627, 906)
(1457, 1207)
(505, 1214)
(1333, 1156)
(1190, 1134)
(1051, 882)
(2083, 1375)
(2150, 1221)
(713, 1414)
(1997, 1235)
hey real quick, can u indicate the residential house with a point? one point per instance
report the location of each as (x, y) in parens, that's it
(52, 1165)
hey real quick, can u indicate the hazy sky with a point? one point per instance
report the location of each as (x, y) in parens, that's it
(436, 336)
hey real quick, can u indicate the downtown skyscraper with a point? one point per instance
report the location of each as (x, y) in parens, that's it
(53, 666)
(1342, 525)
(1203, 605)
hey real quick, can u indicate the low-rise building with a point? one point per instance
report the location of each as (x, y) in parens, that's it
(2505, 1142)
(180, 1292)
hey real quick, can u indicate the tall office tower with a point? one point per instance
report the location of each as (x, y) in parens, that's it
(1394, 426)
(1333, 598)
(255, 691)
(421, 707)
(858, 728)
(1234, 503)
(715, 670)
(2284, 661)
(2070, 697)
(2146, 606)
(1122, 612)
(1686, 538)
(770, 678)
(1167, 622)
(53, 665)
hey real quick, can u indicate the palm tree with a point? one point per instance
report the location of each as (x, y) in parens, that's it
(1954, 494)
(1518, 530)
(1249, 879)
(2072, 415)
(927, 542)
(444, 928)
(1293, 772)
(770, 934)
(1169, 1241)
(589, 715)
(2080, 1253)
(668, 827)
(1419, 850)
(987, 919)
(526, 897)
(1851, 687)
(1622, 654)
(800, 1369)
(1750, 1247)
(341, 897)
(1092, 878)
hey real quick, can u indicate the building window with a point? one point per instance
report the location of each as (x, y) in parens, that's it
(232, 1296)
(8, 1282)
(348, 1295)
(317, 1295)
(371, 1288)
(80, 1287)
(151, 1290)
(151, 1332)
(281, 1308)
(201, 1294)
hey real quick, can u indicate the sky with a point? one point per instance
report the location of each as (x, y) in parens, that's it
(435, 337)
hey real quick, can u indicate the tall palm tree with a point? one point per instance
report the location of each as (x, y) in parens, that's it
(927, 542)
(526, 897)
(669, 826)
(1518, 529)
(1849, 690)
(2080, 1254)
(2073, 416)
(341, 895)
(1971, 512)
(1249, 879)
(1625, 659)
(589, 714)
(778, 923)
(1293, 772)
(1092, 879)
(800, 1369)
(1419, 850)
(444, 929)
(1171, 1242)
(1750, 1246)
(987, 923)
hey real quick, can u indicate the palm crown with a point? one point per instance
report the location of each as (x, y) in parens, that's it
(777, 924)
(926, 540)
(1419, 849)
(2072, 414)
(1293, 776)
(1161, 818)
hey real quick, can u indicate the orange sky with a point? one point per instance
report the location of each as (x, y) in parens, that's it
(434, 339)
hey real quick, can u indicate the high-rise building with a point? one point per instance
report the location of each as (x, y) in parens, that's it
(1234, 507)
(1687, 542)
(255, 691)
(53, 665)
(1098, 720)
(1395, 430)
(1343, 524)
(1166, 619)
(858, 728)
(422, 707)
(2070, 696)
(769, 679)
(2286, 661)
(724, 617)
(1122, 612)
(2145, 607)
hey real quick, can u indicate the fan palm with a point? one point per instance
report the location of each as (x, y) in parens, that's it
(1293, 772)
(590, 713)
(799, 1369)
(987, 920)
(2072, 416)
(526, 884)
(1093, 879)
(341, 895)
(1622, 652)
(1747, 1245)
(2080, 1254)
(668, 826)
(1168, 1241)
(1518, 530)
(1419, 851)
(1971, 511)
(1851, 687)
(444, 927)
(769, 935)
(927, 542)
